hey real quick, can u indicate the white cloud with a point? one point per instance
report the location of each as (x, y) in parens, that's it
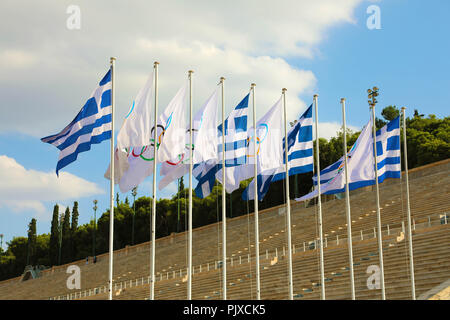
(328, 130)
(16, 59)
(246, 42)
(209, 62)
(169, 191)
(25, 190)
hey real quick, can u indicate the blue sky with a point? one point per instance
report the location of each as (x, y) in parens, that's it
(327, 50)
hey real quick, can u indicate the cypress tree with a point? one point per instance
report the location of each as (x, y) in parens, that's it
(54, 237)
(31, 256)
(65, 245)
(73, 230)
(182, 184)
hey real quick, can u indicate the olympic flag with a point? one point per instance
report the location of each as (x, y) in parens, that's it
(135, 131)
(140, 158)
(204, 148)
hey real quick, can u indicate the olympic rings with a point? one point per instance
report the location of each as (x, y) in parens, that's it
(159, 137)
(258, 142)
(138, 155)
(173, 163)
(266, 131)
(258, 139)
(169, 121)
(146, 159)
(181, 157)
(131, 110)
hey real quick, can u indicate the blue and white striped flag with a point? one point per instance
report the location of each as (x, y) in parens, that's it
(388, 155)
(388, 151)
(361, 165)
(235, 135)
(92, 125)
(235, 149)
(300, 156)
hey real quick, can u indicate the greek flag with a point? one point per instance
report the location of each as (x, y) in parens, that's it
(92, 125)
(300, 157)
(235, 135)
(235, 149)
(361, 164)
(388, 155)
(388, 151)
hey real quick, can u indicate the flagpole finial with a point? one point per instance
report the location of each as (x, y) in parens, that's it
(283, 90)
(342, 100)
(190, 72)
(222, 79)
(403, 108)
(316, 95)
(252, 85)
(155, 63)
(112, 59)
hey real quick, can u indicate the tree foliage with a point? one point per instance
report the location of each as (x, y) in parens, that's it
(54, 237)
(31, 254)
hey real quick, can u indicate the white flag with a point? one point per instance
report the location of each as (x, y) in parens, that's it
(140, 159)
(173, 120)
(269, 146)
(205, 121)
(361, 168)
(269, 149)
(135, 131)
(204, 141)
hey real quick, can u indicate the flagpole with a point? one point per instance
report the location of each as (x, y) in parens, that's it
(224, 212)
(258, 285)
(347, 204)
(111, 183)
(189, 294)
(288, 200)
(379, 234)
(155, 157)
(411, 259)
(319, 202)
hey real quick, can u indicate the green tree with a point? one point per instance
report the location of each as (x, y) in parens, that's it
(73, 229)
(428, 140)
(42, 249)
(390, 113)
(17, 255)
(31, 243)
(83, 241)
(65, 245)
(54, 237)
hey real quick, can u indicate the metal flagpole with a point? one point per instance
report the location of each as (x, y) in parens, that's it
(224, 212)
(288, 200)
(347, 199)
(258, 285)
(155, 160)
(189, 295)
(379, 234)
(411, 260)
(111, 183)
(319, 202)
